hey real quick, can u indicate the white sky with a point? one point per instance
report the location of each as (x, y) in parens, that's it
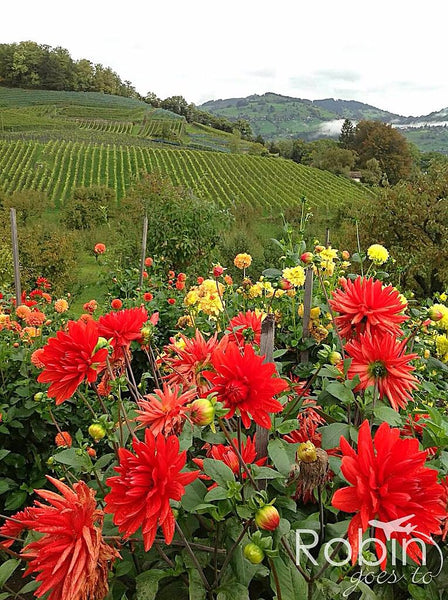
(388, 53)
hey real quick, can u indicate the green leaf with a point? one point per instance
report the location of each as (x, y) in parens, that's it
(31, 586)
(3, 453)
(104, 460)
(265, 473)
(218, 471)
(71, 458)
(217, 493)
(7, 569)
(194, 495)
(4, 486)
(147, 583)
(287, 426)
(282, 455)
(196, 588)
(437, 365)
(339, 391)
(272, 273)
(232, 591)
(292, 584)
(331, 434)
(388, 415)
(15, 500)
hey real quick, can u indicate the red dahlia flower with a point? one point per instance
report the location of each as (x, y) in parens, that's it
(246, 384)
(228, 456)
(190, 361)
(309, 420)
(246, 327)
(140, 495)
(70, 358)
(366, 305)
(380, 360)
(71, 557)
(388, 481)
(123, 327)
(165, 410)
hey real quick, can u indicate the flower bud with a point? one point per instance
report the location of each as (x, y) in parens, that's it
(63, 438)
(306, 452)
(97, 431)
(217, 271)
(101, 343)
(38, 396)
(307, 257)
(345, 255)
(435, 312)
(267, 517)
(319, 248)
(253, 553)
(335, 358)
(202, 412)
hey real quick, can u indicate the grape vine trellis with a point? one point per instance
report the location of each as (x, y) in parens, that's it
(57, 167)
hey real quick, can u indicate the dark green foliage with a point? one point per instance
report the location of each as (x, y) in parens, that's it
(411, 220)
(347, 135)
(31, 65)
(182, 228)
(50, 252)
(28, 204)
(89, 207)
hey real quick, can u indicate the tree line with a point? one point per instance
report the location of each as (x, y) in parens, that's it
(31, 65)
(39, 66)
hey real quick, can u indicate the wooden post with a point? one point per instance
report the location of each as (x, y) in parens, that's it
(15, 256)
(327, 237)
(144, 238)
(266, 349)
(307, 300)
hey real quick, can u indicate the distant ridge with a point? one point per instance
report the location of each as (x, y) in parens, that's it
(275, 116)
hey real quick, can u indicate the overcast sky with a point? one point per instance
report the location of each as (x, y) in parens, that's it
(388, 53)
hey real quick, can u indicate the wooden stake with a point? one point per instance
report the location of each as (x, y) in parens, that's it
(144, 238)
(15, 256)
(307, 300)
(267, 349)
(327, 237)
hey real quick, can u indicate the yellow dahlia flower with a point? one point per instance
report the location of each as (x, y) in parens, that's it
(377, 254)
(295, 275)
(242, 261)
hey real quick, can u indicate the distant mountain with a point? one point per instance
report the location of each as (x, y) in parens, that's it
(274, 116)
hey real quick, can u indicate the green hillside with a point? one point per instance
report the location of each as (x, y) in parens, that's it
(56, 141)
(57, 167)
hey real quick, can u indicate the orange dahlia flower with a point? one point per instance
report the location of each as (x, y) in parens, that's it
(380, 360)
(71, 557)
(365, 305)
(140, 495)
(165, 410)
(61, 305)
(189, 360)
(35, 358)
(35, 318)
(70, 358)
(388, 481)
(123, 327)
(99, 248)
(246, 327)
(245, 384)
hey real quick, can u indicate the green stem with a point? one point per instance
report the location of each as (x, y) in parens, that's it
(234, 547)
(276, 579)
(238, 453)
(193, 556)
